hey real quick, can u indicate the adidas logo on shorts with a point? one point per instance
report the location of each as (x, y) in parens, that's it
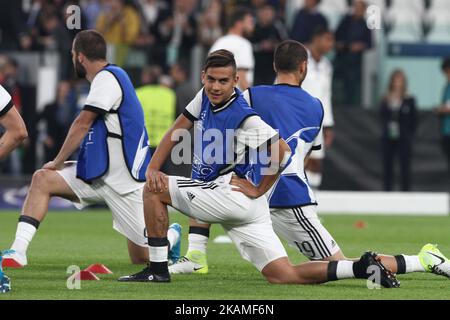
(190, 196)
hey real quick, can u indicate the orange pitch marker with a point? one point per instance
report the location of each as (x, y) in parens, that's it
(360, 225)
(98, 269)
(10, 263)
(85, 275)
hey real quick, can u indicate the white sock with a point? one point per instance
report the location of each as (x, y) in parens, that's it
(197, 242)
(413, 264)
(314, 179)
(173, 237)
(158, 254)
(344, 269)
(24, 234)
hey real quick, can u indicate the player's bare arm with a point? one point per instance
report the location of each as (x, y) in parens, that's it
(77, 132)
(278, 161)
(156, 181)
(15, 133)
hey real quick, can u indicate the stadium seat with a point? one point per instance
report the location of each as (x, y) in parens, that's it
(439, 23)
(333, 10)
(337, 5)
(379, 3)
(417, 6)
(405, 27)
(439, 5)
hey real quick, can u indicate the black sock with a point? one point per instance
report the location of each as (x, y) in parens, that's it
(359, 270)
(401, 264)
(159, 267)
(331, 272)
(199, 230)
(30, 220)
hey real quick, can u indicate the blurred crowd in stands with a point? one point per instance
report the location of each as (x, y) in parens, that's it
(155, 40)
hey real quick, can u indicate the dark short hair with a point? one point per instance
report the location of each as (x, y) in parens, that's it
(90, 43)
(237, 15)
(220, 58)
(288, 55)
(320, 31)
(446, 64)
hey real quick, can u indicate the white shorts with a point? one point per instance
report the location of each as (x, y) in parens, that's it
(303, 230)
(247, 221)
(127, 209)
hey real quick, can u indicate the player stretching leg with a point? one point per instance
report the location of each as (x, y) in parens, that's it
(298, 116)
(210, 197)
(112, 160)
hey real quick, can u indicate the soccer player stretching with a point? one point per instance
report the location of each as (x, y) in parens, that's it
(298, 116)
(209, 196)
(112, 160)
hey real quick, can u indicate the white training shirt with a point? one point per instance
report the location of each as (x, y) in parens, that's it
(5, 101)
(242, 50)
(254, 131)
(318, 84)
(106, 94)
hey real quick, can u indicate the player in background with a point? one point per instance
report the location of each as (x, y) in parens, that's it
(240, 27)
(12, 122)
(318, 84)
(298, 116)
(113, 157)
(215, 194)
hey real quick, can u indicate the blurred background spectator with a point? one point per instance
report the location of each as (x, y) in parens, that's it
(120, 25)
(175, 32)
(399, 121)
(240, 25)
(318, 83)
(58, 116)
(307, 20)
(353, 37)
(158, 101)
(184, 90)
(210, 24)
(269, 32)
(13, 32)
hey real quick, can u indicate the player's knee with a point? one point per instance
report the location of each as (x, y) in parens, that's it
(40, 180)
(277, 275)
(148, 195)
(282, 278)
(273, 279)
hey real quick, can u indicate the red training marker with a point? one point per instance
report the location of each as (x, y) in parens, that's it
(98, 268)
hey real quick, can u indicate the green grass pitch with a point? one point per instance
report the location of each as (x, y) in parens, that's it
(83, 238)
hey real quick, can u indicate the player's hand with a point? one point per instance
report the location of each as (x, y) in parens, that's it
(245, 186)
(53, 165)
(156, 180)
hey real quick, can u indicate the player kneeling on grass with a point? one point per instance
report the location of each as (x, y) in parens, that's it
(209, 196)
(112, 160)
(298, 117)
